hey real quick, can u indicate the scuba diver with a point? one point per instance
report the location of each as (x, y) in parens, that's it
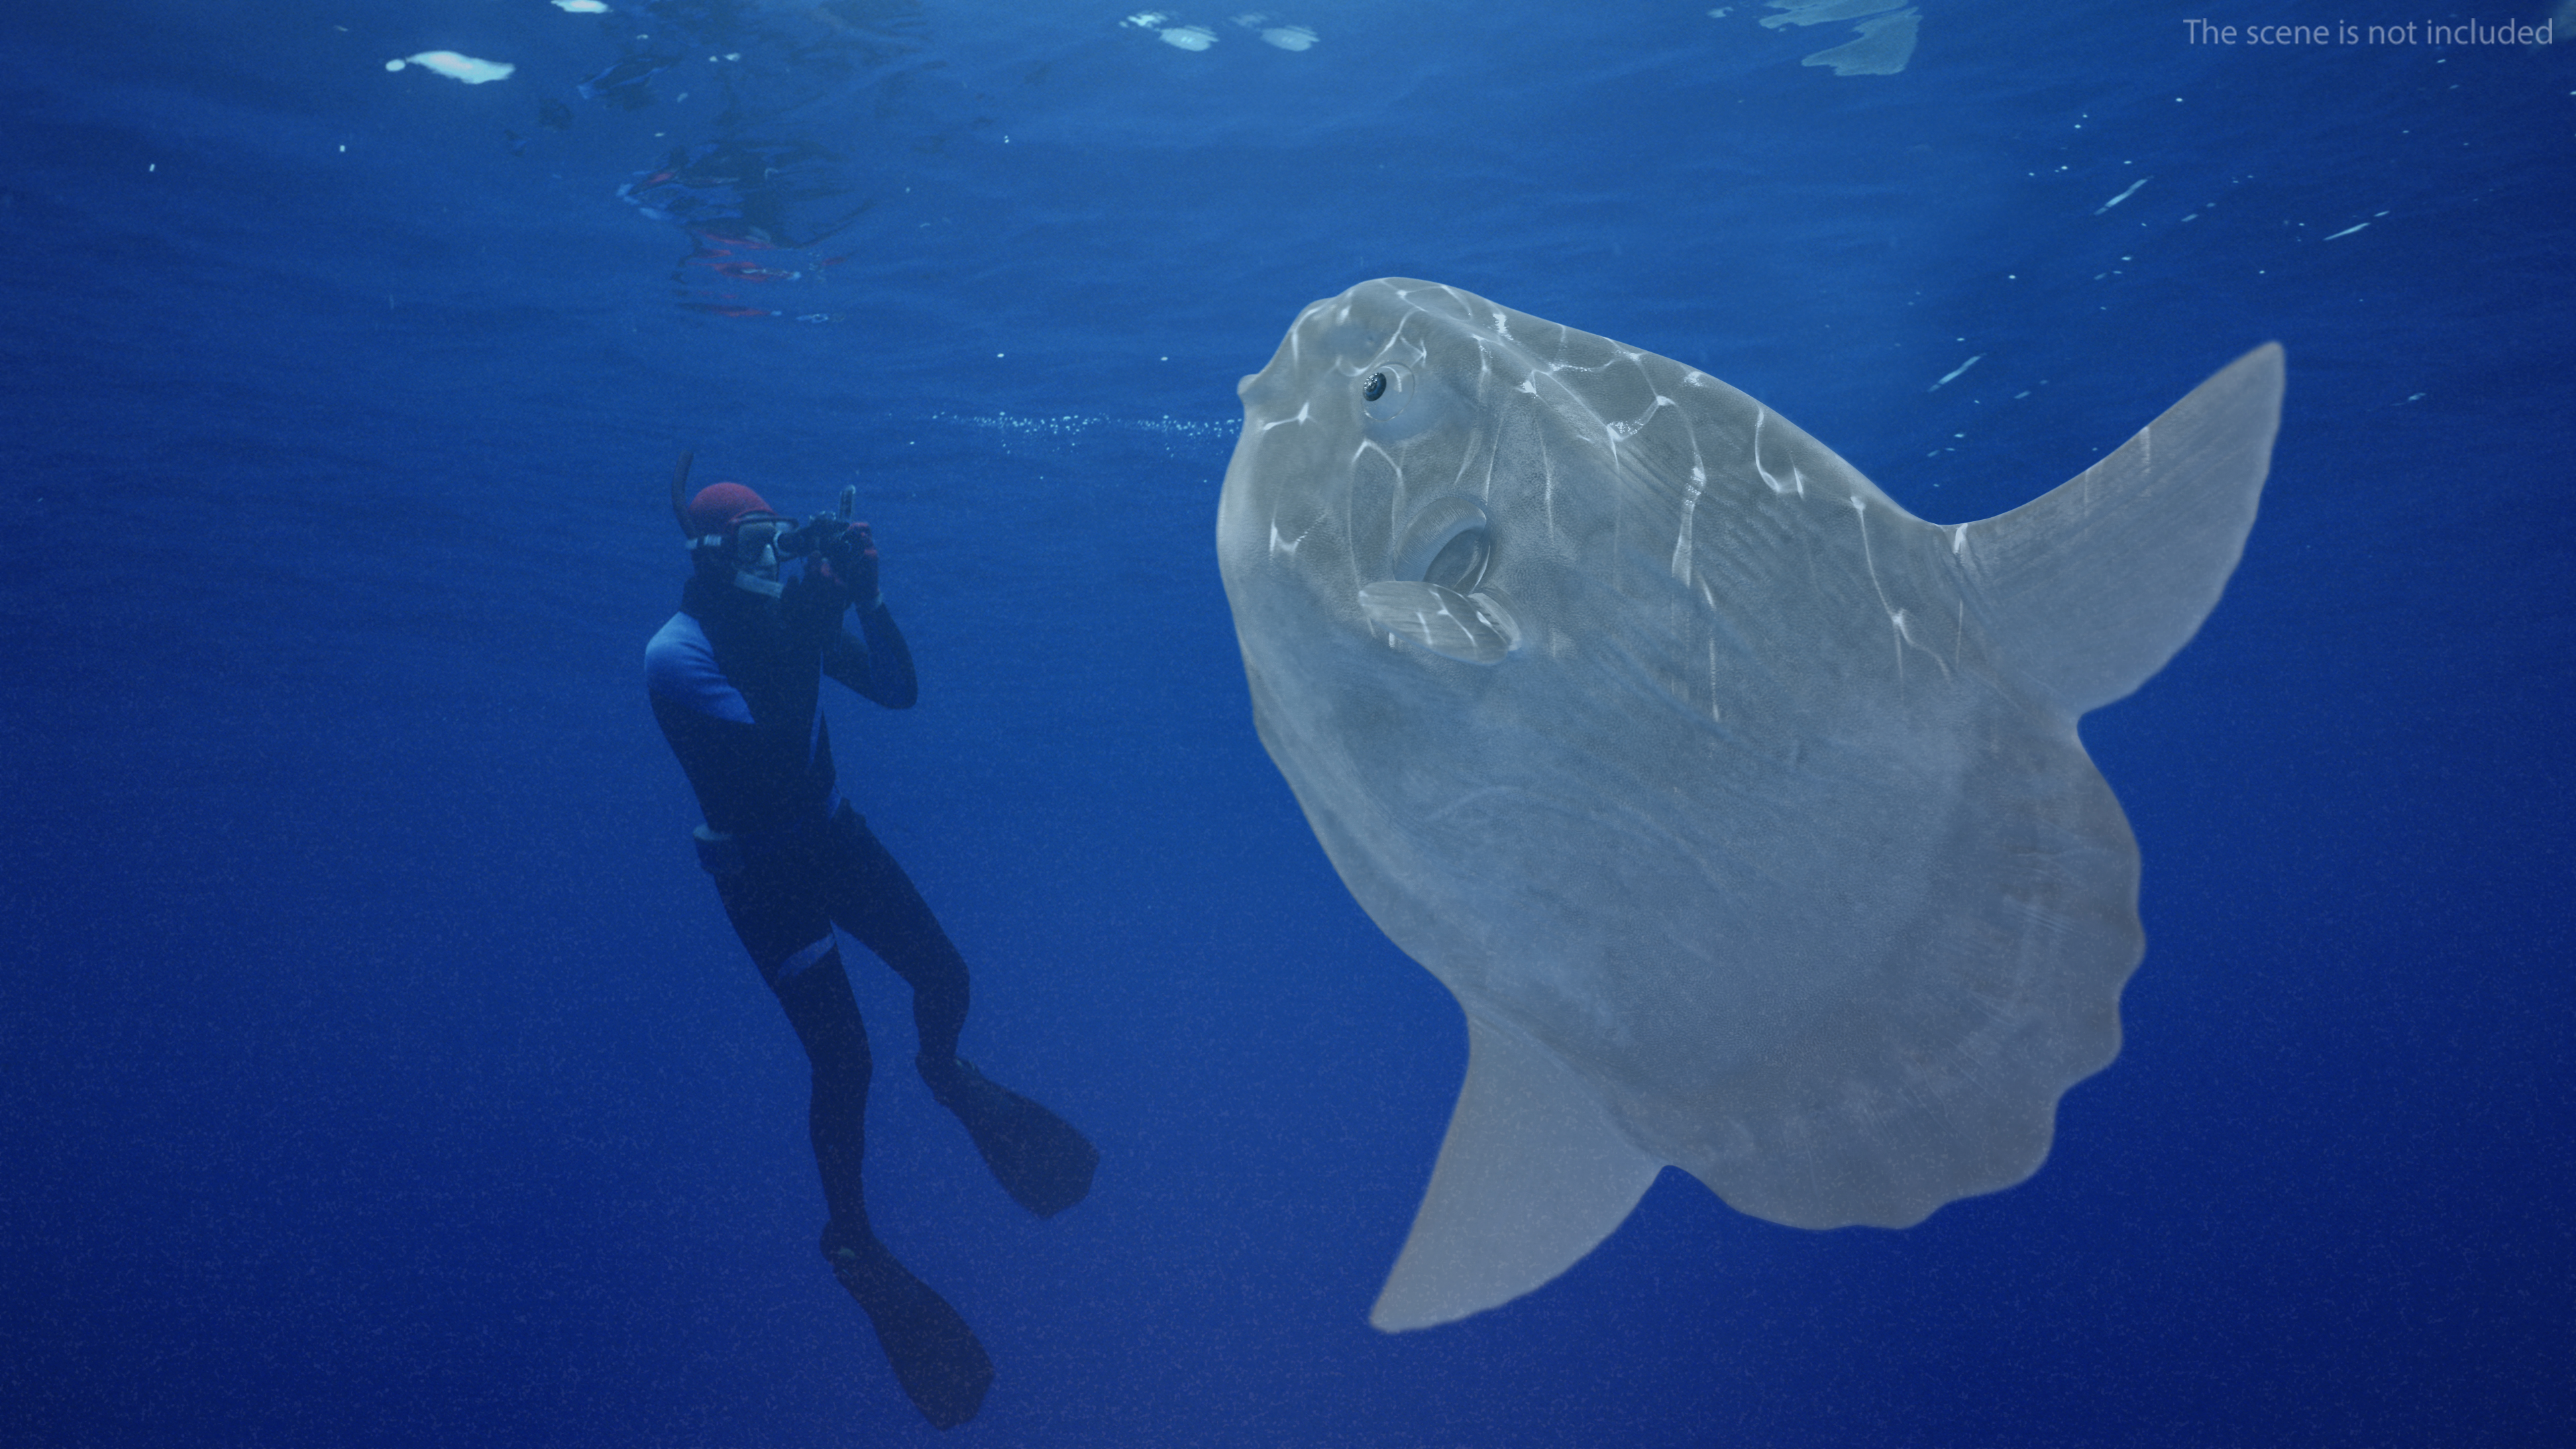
(735, 679)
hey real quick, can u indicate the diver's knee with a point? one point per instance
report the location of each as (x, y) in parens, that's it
(785, 975)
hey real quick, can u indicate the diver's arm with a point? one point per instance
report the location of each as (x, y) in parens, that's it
(880, 668)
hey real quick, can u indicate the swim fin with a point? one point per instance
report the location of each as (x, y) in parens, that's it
(1037, 1156)
(935, 1356)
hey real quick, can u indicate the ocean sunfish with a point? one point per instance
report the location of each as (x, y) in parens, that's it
(1742, 811)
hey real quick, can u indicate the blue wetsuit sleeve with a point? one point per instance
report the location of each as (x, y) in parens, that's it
(680, 669)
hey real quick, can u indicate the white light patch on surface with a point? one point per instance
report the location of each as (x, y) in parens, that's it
(460, 67)
(1285, 37)
(1817, 12)
(1185, 37)
(1885, 45)
(582, 7)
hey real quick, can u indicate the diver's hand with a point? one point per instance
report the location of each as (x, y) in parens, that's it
(850, 561)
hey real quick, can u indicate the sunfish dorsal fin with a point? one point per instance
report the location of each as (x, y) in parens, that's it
(1532, 1176)
(2095, 583)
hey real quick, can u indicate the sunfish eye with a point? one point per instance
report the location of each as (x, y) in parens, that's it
(1388, 389)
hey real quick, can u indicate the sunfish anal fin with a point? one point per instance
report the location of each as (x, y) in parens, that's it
(1532, 1176)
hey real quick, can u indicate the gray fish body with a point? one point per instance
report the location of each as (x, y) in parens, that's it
(1742, 811)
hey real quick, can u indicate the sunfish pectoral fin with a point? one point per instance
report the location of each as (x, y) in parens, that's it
(2093, 585)
(1533, 1175)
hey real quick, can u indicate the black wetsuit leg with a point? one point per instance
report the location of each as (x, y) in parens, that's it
(1039, 1158)
(779, 913)
(777, 907)
(870, 897)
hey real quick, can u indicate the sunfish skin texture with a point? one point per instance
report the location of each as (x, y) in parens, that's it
(1742, 811)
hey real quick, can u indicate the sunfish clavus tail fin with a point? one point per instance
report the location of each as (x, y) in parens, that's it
(2093, 585)
(1532, 1176)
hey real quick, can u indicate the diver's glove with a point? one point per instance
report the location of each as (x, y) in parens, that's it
(850, 560)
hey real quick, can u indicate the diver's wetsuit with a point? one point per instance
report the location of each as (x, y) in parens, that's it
(734, 679)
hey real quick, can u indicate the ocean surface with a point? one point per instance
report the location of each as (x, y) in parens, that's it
(376, 1066)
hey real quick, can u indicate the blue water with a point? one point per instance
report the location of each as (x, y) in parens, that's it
(379, 1068)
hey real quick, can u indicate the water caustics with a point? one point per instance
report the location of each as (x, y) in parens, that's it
(1742, 811)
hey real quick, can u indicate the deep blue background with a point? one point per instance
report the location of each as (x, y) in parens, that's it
(375, 1065)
